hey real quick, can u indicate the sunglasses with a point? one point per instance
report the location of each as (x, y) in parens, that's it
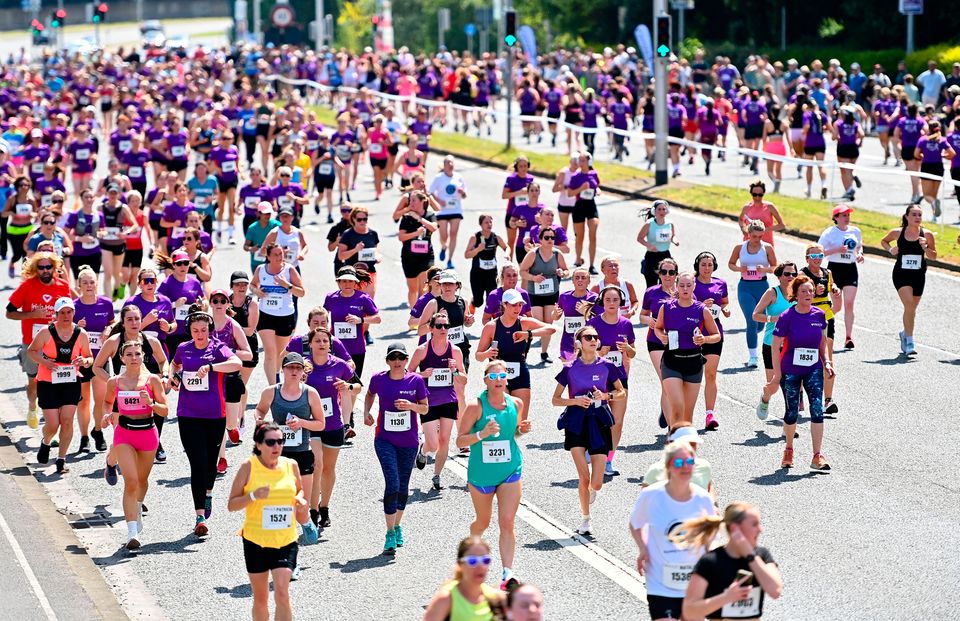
(180, 263)
(590, 337)
(48, 222)
(58, 200)
(788, 275)
(45, 267)
(395, 357)
(148, 281)
(679, 462)
(551, 238)
(284, 176)
(360, 219)
(496, 376)
(473, 561)
(441, 326)
(273, 441)
(218, 301)
(818, 255)
(668, 272)
(756, 194)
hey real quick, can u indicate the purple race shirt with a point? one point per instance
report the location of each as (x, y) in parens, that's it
(580, 378)
(164, 310)
(932, 150)
(715, 290)
(611, 334)
(322, 378)
(572, 320)
(653, 299)
(200, 402)
(191, 288)
(300, 345)
(493, 306)
(515, 183)
(251, 197)
(98, 316)
(397, 428)
(802, 334)
(420, 305)
(682, 320)
(340, 306)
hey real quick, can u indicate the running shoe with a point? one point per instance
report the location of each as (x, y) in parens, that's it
(421, 458)
(208, 507)
(450, 264)
(110, 474)
(752, 363)
(62, 466)
(98, 440)
(161, 456)
(436, 482)
(911, 348)
(133, 543)
(398, 535)
(350, 433)
(593, 496)
(937, 211)
(324, 520)
(545, 357)
(711, 422)
(593, 271)
(200, 528)
(787, 461)
(367, 338)
(143, 508)
(84, 444)
(390, 544)
(831, 408)
(121, 292)
(43, 455)
(848, 344)
(295, 574)
(610, 471)
(33, 418)
(234, 435)
(823, 194)
(584, 528)
(662, 420)
(509, 584)
(222, 465)
(443, 254)
(54, 443)
(310, 533)
(903, 342)
(329, 219)
(464, 451)
(819, 463)
(763, 409)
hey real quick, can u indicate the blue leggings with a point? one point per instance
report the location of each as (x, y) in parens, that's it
(396, 462)
(749, 293)
(812, 382)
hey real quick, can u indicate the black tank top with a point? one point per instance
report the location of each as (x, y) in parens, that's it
(508, 350)
(242, 316)
(64, 348)
(455, 310)
(111, 216)
(796, 117)
(906, 247)
(489, 251)
(148, 360)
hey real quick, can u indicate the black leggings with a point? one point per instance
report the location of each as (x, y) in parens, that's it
(250, 142)
(93, 260)
(201, 438)
(589, 140)
(16, 246)
(482, 282)
(3, 238)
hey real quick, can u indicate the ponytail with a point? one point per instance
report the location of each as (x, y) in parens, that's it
(700, 532)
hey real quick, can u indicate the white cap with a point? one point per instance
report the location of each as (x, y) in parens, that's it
(686, 433)
(511, 296)
(63, 303)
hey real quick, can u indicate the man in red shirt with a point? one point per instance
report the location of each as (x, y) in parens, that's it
(32, 305)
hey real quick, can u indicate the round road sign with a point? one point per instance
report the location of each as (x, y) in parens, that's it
(282, 15)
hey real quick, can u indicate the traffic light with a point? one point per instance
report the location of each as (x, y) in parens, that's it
(375, 20)
(510, 29)
(100, 13)
(663, 36)
(58, 19)
(37, 26)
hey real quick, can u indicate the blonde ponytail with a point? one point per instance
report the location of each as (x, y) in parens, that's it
(700, 532)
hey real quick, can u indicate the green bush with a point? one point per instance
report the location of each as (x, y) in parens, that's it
(805, 54)
(944, 53)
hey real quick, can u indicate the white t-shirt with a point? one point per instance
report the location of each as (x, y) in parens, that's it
(835, 238)
(452, 203)
(669, 566)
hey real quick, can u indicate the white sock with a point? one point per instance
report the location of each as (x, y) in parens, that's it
(230, 231)
(132, 529)
(507, 573)
(753, 352)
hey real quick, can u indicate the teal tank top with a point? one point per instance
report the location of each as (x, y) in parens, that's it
(660, 235)
(774, 310)
(495, 459)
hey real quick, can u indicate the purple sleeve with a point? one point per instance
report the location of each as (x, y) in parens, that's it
(177, 358)
(223, 353)
(613, 374)
(490, 308)
(421, 387)
(370, 307)
(346, 373)
(374, 387)
(563, 376)
(561, 235)
(783, 323)
(340, 351)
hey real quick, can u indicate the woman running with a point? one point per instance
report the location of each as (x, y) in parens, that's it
(509, 277)
(713, 292)
(561, 183)
(843, 246)
(572, 306)
(908, 131)
(543, 269)
(681, 367)
(402, 395)
(449, 189)
(494, 421)
(730, 581)
(515, 193)
(350, 310)
(653, 299)
(848, 134)
(269, 490)
(359, 245)
(659, 508)
(771, 306)
(197, 372)
(753, 260)
(482, 252)
(775, 143)
(709, 121)
(276, 283)
(815, 126)
(442, 367)
(799, 353)
(93, 313)
(416, 252)
(913, 247)
(656, 235)
(826, 293)
(931, 151)
(467, 597)
(182, 289)
(229, 332)
(759, 209)
(134, 398)
(585, 185)
(378, 141)
(59, 351)
(591, 383)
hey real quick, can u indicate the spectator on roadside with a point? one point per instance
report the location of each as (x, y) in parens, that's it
(901, 73)
(880, 78)
(816, 70)
(952, 80)
(910, 89)
(792, 77)
(931, 81)
(856, 80)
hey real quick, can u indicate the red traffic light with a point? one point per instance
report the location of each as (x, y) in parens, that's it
(375, 19)
(37, 24)
(61, 14)
(102, 7)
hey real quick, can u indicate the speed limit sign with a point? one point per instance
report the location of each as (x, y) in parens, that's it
(282, 15)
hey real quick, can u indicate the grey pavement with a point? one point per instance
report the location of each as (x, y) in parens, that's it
(869, 540)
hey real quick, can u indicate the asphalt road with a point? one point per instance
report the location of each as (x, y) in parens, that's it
(869, 540)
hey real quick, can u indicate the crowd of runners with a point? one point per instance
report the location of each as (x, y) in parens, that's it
(120, 181)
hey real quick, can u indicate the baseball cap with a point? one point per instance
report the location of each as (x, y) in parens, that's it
(293, 358)
(113, 187)
(397, 348)
(283, 211)
(180, 255)
(510, 296)
(839, 209)
(686, 433)
(222, 292)
(264, 207)
(36, 132)
(449, 276)
(63, 303)
(239, 276)
(347, 273)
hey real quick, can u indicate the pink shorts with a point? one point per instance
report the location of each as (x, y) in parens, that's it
(776, 147)
(144, 440)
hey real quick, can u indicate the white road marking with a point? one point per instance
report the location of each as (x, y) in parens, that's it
(587, 551)
(27, 571)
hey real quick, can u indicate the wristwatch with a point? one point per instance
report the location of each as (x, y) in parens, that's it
(750, 557)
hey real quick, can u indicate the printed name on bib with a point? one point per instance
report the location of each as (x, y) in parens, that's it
(440, 378)
(277, 517)
(396, 421)
(64, 374)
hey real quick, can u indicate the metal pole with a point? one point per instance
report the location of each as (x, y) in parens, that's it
(139, 11)
(681, 13)
(660, 109)
(439, 29)
(508, 78)
(59, 31)
(318, 20)
(96, 32)
(909, 34)
(783, 28)
(257, 26)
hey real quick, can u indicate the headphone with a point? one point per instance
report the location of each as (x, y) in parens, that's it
(200, 315)
(616, 288)
(705, 253)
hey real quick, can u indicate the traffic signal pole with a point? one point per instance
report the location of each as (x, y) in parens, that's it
(661, 61)
(510, 38)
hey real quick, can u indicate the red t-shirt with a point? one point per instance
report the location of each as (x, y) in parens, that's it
(31, 295)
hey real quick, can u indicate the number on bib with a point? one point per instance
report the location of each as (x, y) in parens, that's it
(513, 369)
(572, 324)
(326, 169)
(128, 400)
(193, 383)
(396, 421)
(546, 287)
(664, 235)
(614, 357)
(677, 577)
(746, 608)
(419, 246)
(65, 374)
(327, 404)
(182, 311)
(440, 378)
(178, 151)
(277, 517)
(96, 339)
(229, 166)
(805, 356)
(344, 330)
(911, 261)
(588, 194)
(291, 437)
(488, 264)
(496, 451)
(135, 171)
(367, 255)
(455, 335)
(521, 201)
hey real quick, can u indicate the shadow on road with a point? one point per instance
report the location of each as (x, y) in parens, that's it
(886, 362)
(360, 564)
(778, 477)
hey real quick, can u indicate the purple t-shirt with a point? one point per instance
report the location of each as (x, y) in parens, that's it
(98, 315)
(715, 290)
(359, 304)
(281, 198)
(752, 111)
(191, 288)
(932, 150)
(953, 140)
(251, 197)
(653, 299)
(515, 183)
(175, 213)
(136, 163)
(611, 334)
(580, 378)
(206, 242)
(85, 224)
(300, 345)
(322, 379)
(227, 160)
(492, 307)
(683, 320)
(164, 311)
(420, 305)
(590, 177)
(846, 132)
(83, 153)
(572, 320)
(399, 430)
(910, 131)
(529, 213)
(815, 131)
(201, 403)
(803, 332)
(533, 234)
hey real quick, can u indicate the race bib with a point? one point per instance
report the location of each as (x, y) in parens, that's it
(343, 152)
(546, 287)
(907, 261)
(24, 209)
(677, 577)
(124, 146)
(313, 145)
(264, 119)
(251, 201)
(496, 451)
(111, 233)
(36, 168)
(588, 194)
(178, 151)
(194, 383)
(846, 257)
(229, 166)
(420, 246)
(250, 123)
(521, 201)
(65, 374)
(614, 357)
(376, 148)
(96, 340)
(344, 330)
(128, 400)
(182, 311)
(326, 169)
(83, 154)
(277, 517)
(453, 203)
(752, 273)
(291, 437)
(285, 201)
(200, 201)
(455, 334)
(664, 235)
(178, 231)
(367, 255)
(327, 404)
(673, 339)
(273, 301)
(488, 264)
(290, 254)
(440, 378)
(135, 171)
(744, 608)
(89, 245)
(805, 356)
(513, 369)
(572, 324)
(396, 421)
(46, 200)
(715, 311)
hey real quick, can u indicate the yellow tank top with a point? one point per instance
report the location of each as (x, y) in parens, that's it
(463, 610)
(271, 522)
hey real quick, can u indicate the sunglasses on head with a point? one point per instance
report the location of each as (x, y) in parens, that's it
(180, 263)
(45, 267)
(273, 441)
(395, 357)
(668, 272)
(496, 376)
(473, 561)
(679, 462)
(590, 337)
(148, 281)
